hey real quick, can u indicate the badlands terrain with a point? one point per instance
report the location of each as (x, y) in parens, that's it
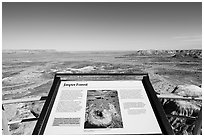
(29, 73)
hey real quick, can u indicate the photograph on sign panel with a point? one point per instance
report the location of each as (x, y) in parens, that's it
(102, 109)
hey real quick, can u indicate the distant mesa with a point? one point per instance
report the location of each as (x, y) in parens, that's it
(188, 53)
(13, 51)
(195, 53)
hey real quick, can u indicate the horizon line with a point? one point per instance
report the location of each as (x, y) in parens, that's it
(93, 50)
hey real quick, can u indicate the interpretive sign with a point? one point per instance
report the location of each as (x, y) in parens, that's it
(100, 107)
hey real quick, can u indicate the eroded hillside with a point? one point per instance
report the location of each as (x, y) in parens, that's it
(30, 73)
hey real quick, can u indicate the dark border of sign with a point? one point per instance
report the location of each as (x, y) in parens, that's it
(156, 105)
(45, 113)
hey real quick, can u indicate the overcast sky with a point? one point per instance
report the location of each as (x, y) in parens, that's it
(102, 26)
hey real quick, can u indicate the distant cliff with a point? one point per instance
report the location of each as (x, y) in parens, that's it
(173, 53)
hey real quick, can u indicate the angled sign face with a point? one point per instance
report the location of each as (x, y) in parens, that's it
(122, 106)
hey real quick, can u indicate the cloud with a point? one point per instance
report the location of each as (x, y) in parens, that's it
(189, 38)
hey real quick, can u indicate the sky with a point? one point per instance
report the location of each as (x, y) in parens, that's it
(101, 26)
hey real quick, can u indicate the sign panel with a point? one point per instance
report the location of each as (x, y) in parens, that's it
(102, 107)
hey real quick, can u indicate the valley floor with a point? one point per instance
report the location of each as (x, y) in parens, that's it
(31, 74)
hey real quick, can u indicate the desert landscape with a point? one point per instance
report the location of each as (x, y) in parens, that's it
(30, 73)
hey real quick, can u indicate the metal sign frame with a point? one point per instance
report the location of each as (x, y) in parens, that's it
(154, 101)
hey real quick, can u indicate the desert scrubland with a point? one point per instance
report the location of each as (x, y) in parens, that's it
(29, 73)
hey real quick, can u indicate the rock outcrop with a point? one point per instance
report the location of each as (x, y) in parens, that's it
(183, 108)
(181, 126)
(188, 91)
